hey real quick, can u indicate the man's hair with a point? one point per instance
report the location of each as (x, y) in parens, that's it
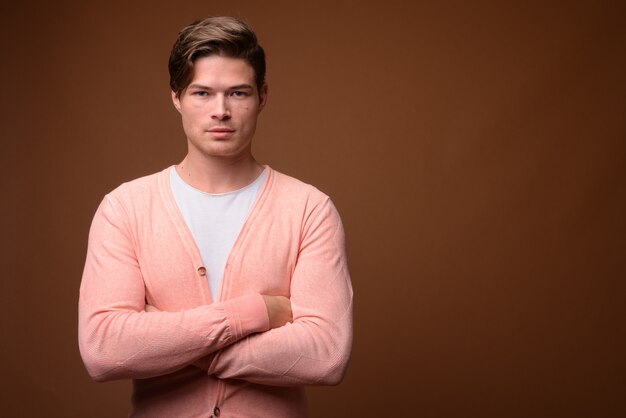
(221, 35)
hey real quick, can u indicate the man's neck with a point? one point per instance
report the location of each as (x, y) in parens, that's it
(218, 175)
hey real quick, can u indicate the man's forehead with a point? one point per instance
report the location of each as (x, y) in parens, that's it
(218, 67)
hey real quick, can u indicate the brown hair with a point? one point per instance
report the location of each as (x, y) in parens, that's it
(225, 36)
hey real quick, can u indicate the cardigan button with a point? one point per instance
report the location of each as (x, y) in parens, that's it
(202, 271)
(216, 411)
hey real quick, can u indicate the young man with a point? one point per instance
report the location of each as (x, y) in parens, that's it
(219, 285)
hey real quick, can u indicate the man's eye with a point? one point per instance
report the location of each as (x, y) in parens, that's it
(239, 93)
(200, 93)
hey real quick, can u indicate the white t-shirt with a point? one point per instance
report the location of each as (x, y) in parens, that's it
(214, 221)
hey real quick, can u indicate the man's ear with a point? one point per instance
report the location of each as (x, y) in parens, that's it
(176, 101)
(262, 96)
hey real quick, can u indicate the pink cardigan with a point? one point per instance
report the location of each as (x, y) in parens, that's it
(195, 357)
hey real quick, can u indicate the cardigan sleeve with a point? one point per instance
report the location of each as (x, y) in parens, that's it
(118, 339)
(315, 348)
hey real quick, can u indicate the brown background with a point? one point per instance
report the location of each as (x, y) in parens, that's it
(475, 151)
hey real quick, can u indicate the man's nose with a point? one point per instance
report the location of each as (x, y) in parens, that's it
(221, 110)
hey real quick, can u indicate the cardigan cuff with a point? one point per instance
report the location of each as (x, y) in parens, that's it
(247, 315)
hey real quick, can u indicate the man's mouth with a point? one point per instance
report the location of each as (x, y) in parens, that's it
(221, 132)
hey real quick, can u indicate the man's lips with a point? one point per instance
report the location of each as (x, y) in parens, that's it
(221, 132)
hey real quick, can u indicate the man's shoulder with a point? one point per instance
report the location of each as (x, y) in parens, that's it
(287, 185)
(292, 198)
(138, 189)
(290, 195)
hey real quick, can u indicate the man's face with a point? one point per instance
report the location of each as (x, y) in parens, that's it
(220, 107)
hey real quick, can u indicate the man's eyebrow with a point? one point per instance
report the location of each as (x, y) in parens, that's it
(198, 86)
(241, 86)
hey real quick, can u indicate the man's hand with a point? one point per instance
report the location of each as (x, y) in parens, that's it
(278, 310)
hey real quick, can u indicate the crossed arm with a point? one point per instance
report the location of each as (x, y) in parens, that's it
(259, 338)
(278, 310)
